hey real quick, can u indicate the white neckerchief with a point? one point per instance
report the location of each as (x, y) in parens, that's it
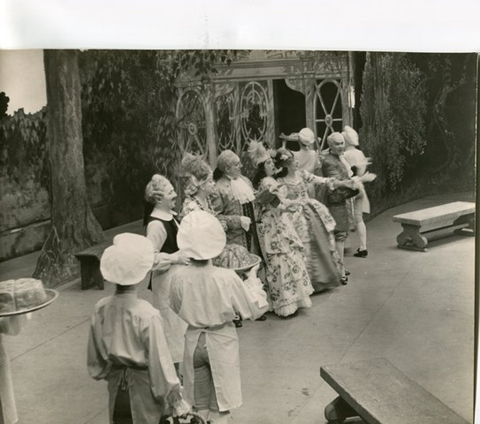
(241, 190)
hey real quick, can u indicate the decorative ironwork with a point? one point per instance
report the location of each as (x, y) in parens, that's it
(225, 107)
(191, 122)
(253, 111)
(327, 108)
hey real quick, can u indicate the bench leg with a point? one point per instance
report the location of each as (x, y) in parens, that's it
(90, 272)
(469, 229)
(98, 277)
(411, 239)
(85, 273)
(337, 411)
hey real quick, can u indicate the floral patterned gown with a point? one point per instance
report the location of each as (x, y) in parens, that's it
(289, 286)
(314, 225)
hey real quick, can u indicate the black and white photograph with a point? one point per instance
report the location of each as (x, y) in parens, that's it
(217, 232)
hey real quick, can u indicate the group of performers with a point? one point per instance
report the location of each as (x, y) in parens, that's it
(293, 218)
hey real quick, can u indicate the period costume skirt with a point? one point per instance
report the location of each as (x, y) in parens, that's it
(315, 226)
(289, 286)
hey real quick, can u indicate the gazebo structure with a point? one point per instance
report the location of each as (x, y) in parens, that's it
(261, 95)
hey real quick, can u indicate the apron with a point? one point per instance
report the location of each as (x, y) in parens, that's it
(223, 350)
(144, 407)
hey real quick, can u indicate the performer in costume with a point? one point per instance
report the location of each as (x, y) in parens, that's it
(198, 189)
(289, 286)
(308, 159)
(361, 204)
(162, 230)
(312, 221)
(233, 202)
(336, 166)
(206, 297)
(199, 186)
(127, 346)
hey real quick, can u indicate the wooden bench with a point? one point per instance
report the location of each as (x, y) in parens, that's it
(380, 393)
(422, 226)
(90, 265)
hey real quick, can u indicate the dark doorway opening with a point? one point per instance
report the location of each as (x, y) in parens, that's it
(289, 111)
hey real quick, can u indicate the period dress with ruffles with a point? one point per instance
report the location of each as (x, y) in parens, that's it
(207, 297)
(289, 286)
(315, 226)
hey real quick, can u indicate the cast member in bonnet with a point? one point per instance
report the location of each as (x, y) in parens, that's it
(289, 286)
(126, 345)
(207, 297)
(361, 204)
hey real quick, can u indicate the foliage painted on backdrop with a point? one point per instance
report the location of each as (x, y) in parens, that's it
(418, 115)
(128, 102)
(393, 110)
(23, 148)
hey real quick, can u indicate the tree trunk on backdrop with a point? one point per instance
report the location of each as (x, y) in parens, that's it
(74, 226)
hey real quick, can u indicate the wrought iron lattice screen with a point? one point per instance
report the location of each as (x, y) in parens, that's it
(327, 108)
(253, 111)
(191, 122)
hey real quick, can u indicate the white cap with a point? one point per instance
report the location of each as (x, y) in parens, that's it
(350, 136)
(306, 136)
(201, 236)
(128, 261)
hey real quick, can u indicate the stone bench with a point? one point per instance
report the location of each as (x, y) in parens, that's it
(379, 393)
(90, 265)
(422, 226)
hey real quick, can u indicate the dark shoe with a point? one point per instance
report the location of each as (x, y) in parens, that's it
(344, 281)
(361, 253)
(262, 318)
(237, 323)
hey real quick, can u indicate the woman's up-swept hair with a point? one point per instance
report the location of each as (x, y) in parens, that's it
(197, 171)
(281, 160)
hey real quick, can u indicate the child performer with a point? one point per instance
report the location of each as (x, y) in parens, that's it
(207, 297)
(127, 346)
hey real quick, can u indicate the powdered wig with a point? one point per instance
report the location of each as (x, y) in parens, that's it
(335, 137)
(226, 159)
(155, 189)
(197, 172)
